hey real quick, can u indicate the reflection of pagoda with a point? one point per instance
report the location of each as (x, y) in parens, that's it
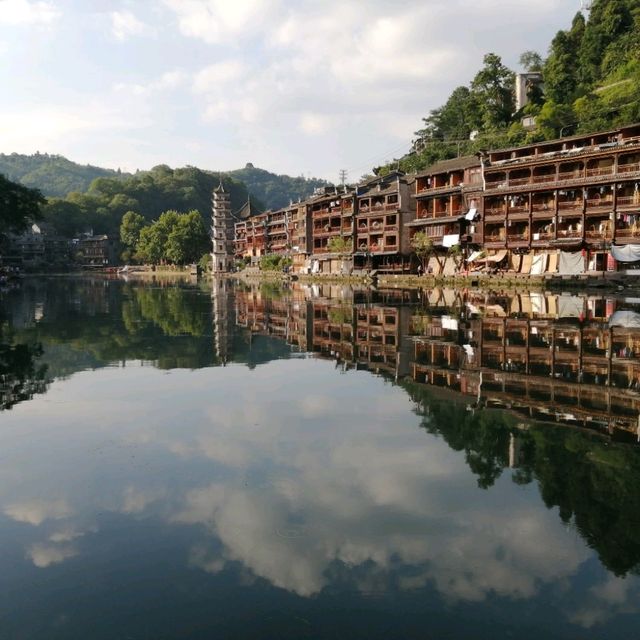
(221, 231)
(222, 302)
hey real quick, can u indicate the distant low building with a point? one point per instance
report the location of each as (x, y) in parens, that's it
(38, 247)
(96, 251)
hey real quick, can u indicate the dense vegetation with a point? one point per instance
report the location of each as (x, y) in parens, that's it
(86, 198)
(148, 193)
(276, 191)
(591, 82)
(53, 175)
(18, 206)
(172, 239)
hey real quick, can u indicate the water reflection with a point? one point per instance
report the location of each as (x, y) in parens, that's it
(444, 492)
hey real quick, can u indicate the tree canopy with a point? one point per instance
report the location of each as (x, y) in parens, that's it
(591, 82)
(18, 206)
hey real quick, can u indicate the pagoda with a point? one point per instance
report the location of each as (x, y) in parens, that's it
(221, 231)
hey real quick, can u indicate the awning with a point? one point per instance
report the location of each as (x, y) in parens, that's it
(626, 253)
(451, 240)
(474, 256)
(471, 214)
(496, 257)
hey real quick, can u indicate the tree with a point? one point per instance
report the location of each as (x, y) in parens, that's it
(151, 247)
(454, 120)
(188, 239)
(455, 252)
(493, 89)
(424, 248)
(531, 61)
(130, 227)
(19, 206)
(340, 245)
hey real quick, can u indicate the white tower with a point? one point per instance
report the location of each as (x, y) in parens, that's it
(221, 234)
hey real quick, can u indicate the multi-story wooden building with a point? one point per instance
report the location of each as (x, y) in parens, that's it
(384, 207)
(566, 206)
(448, 206)
(330, 217)
(573, 195)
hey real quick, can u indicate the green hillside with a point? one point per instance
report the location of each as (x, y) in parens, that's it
(57, 176)
(275, 191)
(591, 82)
(148, 193)
(53, 175)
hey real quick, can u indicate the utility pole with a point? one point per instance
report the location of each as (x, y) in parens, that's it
(343, 176)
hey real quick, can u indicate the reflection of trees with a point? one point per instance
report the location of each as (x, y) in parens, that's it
(482, 435)
(88, 324)
(21, 375)
(593, 482)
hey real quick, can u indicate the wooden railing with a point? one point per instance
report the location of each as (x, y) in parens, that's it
(570, 206)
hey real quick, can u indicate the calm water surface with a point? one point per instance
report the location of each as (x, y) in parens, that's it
(364, 465)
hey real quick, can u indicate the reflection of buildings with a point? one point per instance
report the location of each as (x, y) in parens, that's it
(548, 357)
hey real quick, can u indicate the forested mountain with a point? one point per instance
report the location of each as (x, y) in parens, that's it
(148, 193)
(591, 82)
(276, 191)
(56, 176)
(53, 175)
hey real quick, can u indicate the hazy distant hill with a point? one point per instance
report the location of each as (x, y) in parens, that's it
(53, 175)
(274, 190)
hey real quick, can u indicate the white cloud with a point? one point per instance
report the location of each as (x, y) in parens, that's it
(314, 123)
(217, 21)
(209, 79)
(168, 81)
(24, 12)
(124, 24)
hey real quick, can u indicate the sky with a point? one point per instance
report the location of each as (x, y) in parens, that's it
(301, 87)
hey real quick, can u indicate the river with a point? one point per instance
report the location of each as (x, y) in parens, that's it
(231, 461)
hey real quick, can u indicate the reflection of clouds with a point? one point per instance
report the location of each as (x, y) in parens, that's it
(43, 555)
(136, 500)
(350, 473)
(300, 482)
(613, 596)
(36, 511)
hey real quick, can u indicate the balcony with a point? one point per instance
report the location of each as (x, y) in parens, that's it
(568, 236)
(628, 235)
(624, 202)
(518, 239)
(378, 208)
(598, 236)
(494, 213)
(569, 207)
(543, 210)
(540, 238)
(599, 204)
(544, 178)
(633, 167)
(596, 172)
(494, 241)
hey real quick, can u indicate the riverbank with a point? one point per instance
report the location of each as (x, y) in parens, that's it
(607, 282)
